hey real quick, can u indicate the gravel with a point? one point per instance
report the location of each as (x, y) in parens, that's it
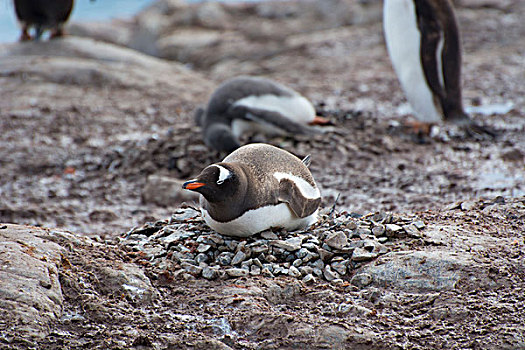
(331, 249)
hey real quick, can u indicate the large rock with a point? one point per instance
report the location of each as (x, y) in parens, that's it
(457, 263)
(83, 61)
(30, 293)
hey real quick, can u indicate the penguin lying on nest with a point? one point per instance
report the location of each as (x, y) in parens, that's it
(423, 43)
(42, 15)
(255, 188)
(251, 104)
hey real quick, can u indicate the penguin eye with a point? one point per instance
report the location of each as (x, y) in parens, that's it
(220, 182)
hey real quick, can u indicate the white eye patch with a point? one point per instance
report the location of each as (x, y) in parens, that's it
(224, 174)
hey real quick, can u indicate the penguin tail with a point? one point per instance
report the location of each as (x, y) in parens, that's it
(307, 160)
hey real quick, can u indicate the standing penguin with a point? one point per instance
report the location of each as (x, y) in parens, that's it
(423, 43)
(255, 188)
(245, 104)
(42, 15)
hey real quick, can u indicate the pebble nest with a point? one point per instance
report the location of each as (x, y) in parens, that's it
(331, 249)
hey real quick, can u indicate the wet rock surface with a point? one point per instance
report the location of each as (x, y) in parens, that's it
(95, 138)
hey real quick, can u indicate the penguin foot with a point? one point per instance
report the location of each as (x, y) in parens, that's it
(479, 132)
(318, 120)
(57, 33)
(418, 128)
(419, 132)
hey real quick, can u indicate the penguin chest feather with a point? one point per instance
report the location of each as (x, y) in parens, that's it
(260, 219)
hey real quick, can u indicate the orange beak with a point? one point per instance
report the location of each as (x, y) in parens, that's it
(192, 185)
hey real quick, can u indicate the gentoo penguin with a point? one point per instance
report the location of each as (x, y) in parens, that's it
(257, 187)
(254, 104)
(42, 15)
(423, 42)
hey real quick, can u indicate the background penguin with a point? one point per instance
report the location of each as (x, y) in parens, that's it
(257, 187)
(423, 42)
(254, 104)
(42, 15)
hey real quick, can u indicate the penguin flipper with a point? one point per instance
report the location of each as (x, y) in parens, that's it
(271, 118)
(431, 47)
(301, 206)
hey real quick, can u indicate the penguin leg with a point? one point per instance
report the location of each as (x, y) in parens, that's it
(302, 207)
(24, 36)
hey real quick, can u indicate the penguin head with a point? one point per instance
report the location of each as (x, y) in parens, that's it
(219, 136)
(216, 183)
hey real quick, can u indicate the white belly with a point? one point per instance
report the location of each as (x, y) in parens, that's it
(296, 108)
(257, 220)
(403, 43)
(240, 127)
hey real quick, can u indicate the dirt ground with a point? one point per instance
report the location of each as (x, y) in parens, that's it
(75, 154)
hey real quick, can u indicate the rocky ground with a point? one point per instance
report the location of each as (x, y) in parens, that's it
(423, 248)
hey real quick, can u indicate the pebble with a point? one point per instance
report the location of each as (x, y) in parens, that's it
(393, 228)
(193, 269)
(203, 248)
(235, 272)
(340, 267)
(225, 258)
(324, 254)
(378, 230)
(288, 245)
(294, 272)
(336, 240)
(308, 279)
(238, 257)
(201, 258)
(302, 253)
(209, 273)
(412, 231)
(269, 235)
(329, 274)
(266, 272)
(309, 256)
(419, 224)
(306, 270)
(364, 231)
(361, 280)
(310, 246)
(361, 254)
